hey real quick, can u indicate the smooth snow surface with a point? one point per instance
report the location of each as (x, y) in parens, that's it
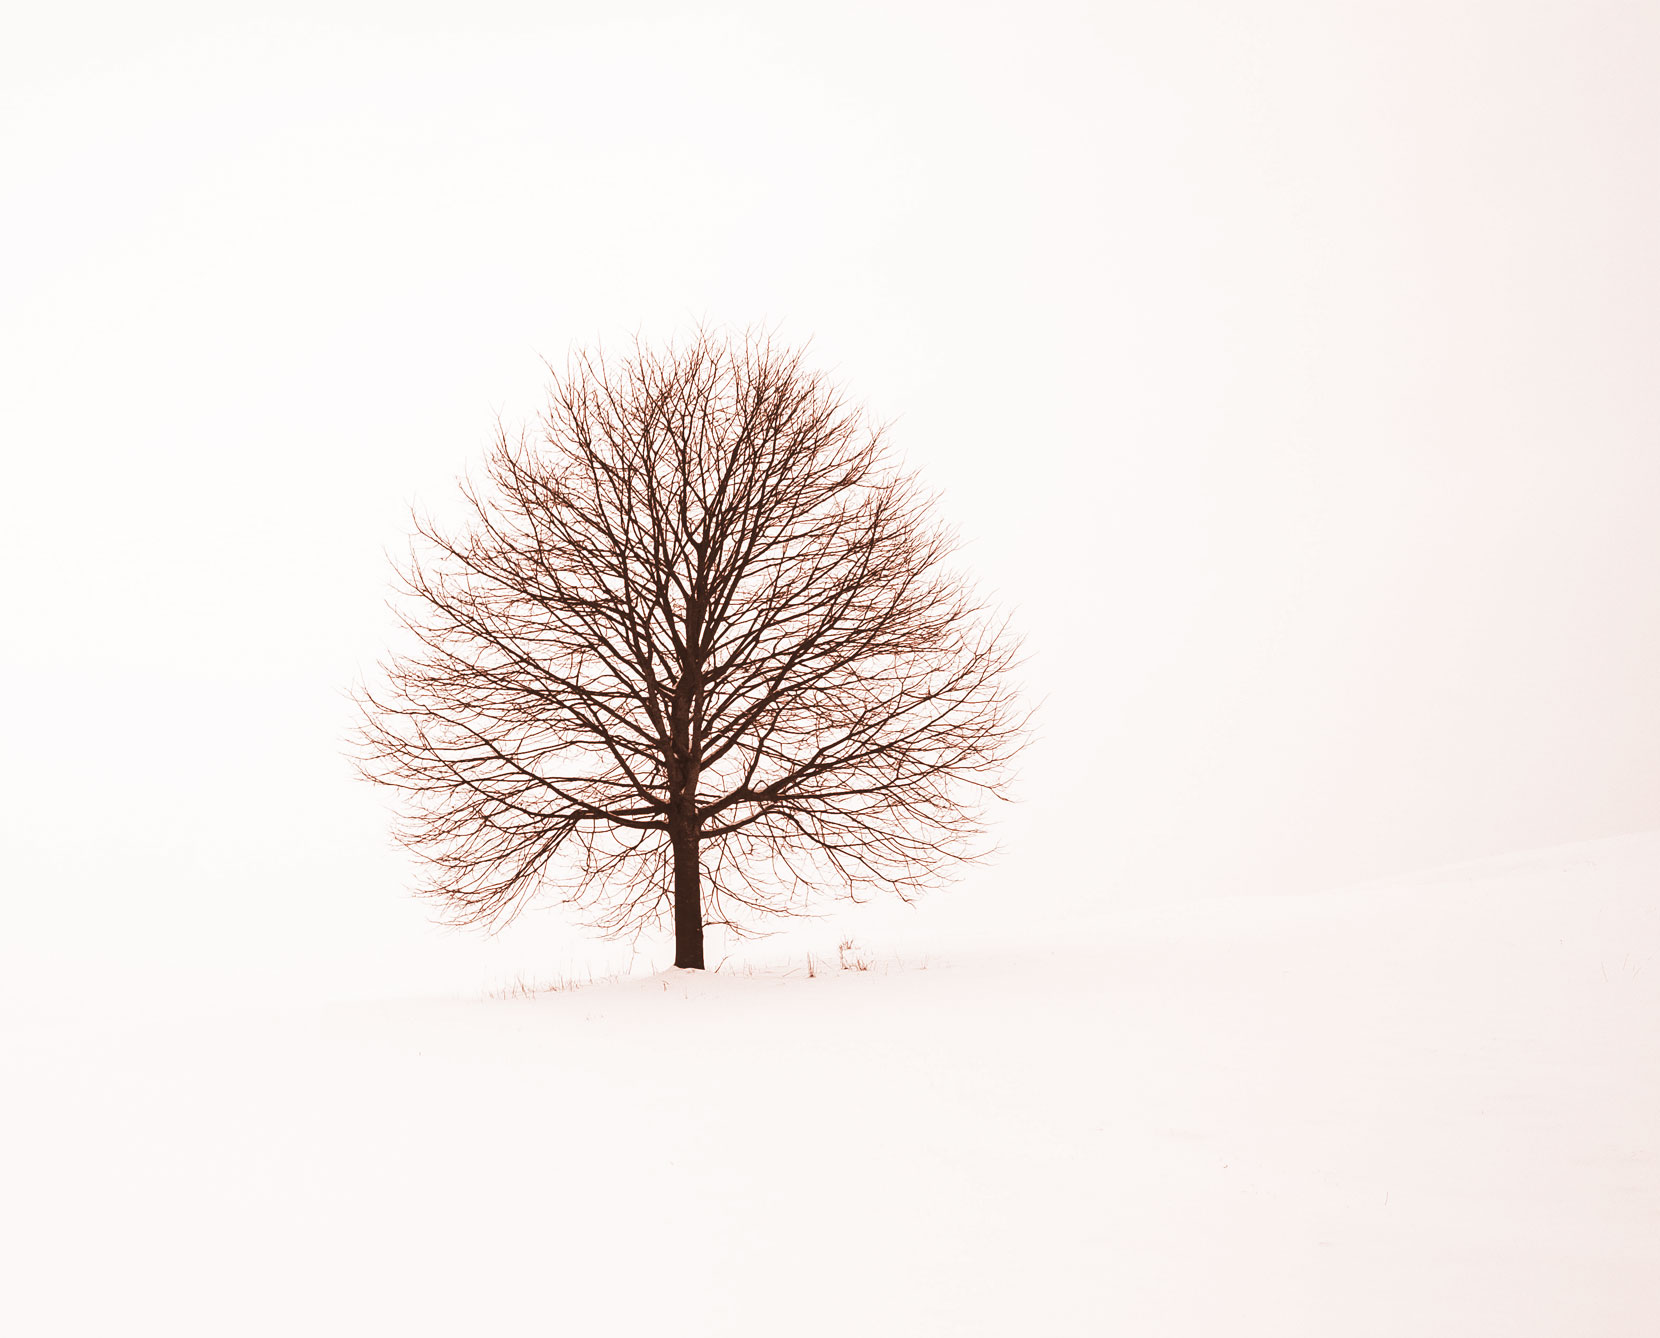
(1426, 1107)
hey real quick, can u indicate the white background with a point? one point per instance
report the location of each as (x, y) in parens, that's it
(1290, 368)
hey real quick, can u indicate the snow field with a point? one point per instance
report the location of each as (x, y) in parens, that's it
(1425, 1107)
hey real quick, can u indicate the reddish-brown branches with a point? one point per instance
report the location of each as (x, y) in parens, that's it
(696, 652)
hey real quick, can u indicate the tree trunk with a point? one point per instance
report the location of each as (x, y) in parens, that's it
(682, 776)
(688, 900)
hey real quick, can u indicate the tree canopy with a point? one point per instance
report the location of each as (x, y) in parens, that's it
(696, 653)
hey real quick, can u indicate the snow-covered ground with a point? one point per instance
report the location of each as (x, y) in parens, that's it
(1430, 1106)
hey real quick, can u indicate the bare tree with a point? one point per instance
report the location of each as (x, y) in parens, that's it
(697, 651)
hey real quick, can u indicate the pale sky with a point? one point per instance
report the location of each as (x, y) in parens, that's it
(1291, 370)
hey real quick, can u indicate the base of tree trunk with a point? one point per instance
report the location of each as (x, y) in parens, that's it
(688, 905)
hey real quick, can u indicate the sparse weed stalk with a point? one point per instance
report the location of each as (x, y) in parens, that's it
(852, 959)
(521, 987)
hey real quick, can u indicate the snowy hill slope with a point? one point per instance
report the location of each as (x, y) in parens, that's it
(1429, 1107)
